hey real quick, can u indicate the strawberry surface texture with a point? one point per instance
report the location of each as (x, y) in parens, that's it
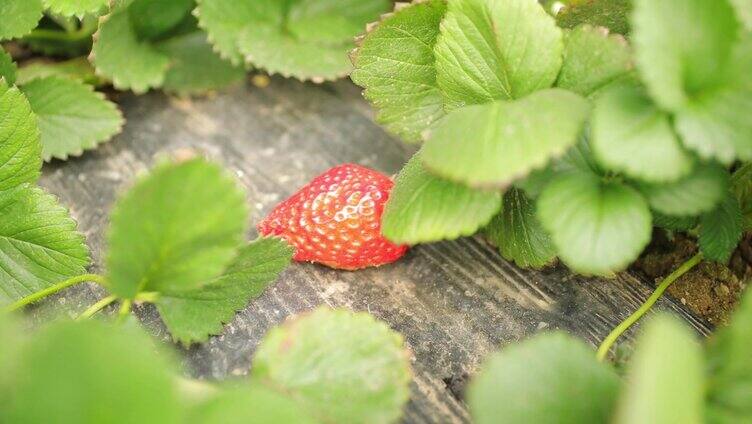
(335, 219)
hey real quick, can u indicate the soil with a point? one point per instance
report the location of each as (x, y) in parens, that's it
(710, 290)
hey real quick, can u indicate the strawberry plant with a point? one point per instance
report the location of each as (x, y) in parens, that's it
(568, 143)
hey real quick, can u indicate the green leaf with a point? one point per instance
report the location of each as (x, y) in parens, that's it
(424, 208)
(175, 230)
(39, 244)
(518, 233)
(544, 380)
(254, 404)
(8, 68)
(194, 315)
(496, 50)
(612, 14)
(743, 12)
(89, 372)
(730, 370)
(72, 116)
(20, 149)
(509, 138)
(75, 7)
(153, 18)
(344, 367)
(598, 227)
(632, 136)
(395, 65)
(120, 56)
(721, 230)
(592, 60)
(666, 384)
(195, 67)
(19, 17)
(682, 47)
(741, 186)
(78, 69)
(675, 223)
(699, 192)
(305, 39)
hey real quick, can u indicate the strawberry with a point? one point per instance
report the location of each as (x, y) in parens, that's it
(336, 219)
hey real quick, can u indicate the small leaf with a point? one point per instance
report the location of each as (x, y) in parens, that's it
(78, 69)
(8, 67)
(424, 208)
(175, 230)
(730, 370)
(666, 384)
(682, 47)
(612, 14)
(598, 227)
(593, 59)
(699, 192)
(496, 50)
(20, 149)
(395, 65)
(344, 367)
(309, 40)
(72, 116)
(675, 223)
(632, 136)
(509, 138)
(254, 404)
(98, 374)
(518, 233)
(544, 380)
(721, 230)
(194, 315)
(75, 7)
(19, 17)
(120, 56)
(39, 244)
(741, 186)
(195, 67)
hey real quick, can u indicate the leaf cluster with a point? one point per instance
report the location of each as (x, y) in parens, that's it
(559, 139)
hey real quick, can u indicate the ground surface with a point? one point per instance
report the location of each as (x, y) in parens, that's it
(455, 302)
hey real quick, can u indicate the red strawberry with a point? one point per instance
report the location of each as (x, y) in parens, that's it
(336, 219)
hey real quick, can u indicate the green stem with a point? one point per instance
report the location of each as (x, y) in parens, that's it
(624, 325)
(56, 288)
(125, 309)
(93, 309)
(86, 30)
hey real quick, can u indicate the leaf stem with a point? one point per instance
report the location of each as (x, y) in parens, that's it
(86, 30)
(93, 309)
(56, 288)
(125, 309)
(624, 325)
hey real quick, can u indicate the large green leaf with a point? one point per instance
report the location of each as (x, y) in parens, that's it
(72, 116)
(741, 186)
(682, 47)
(598, 227)
(666, 384)
(721, 230)
(20, 149)
(39, 245)
(551, 378)
(75, 7)
(730, 370)
(518, 233)
(19, 17)
(424, 208)
(632, 136)
(612, 14)
(249, 404)
(195, 67)
(175, 230)
(395, 65)
(593, 59)
(496, 50)
(344, 367)
(89, 373)
(194, 315)
(699, 192)
(508, 138)
(307, 39)
(119, 55)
